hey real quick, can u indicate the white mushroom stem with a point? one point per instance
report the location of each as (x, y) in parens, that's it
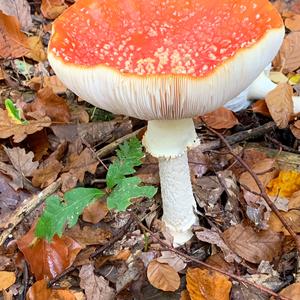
(258, 89)
(168, 140)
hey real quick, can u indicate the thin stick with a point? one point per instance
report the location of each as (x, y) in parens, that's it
(262, 189)
(112, 146)
(26, 207)
(233, 276)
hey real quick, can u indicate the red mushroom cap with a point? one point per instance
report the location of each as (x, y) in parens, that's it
(162, 39)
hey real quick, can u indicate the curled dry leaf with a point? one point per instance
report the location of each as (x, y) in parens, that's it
(7, 279)
(292, 216)
(13, 43)
(172, 259)
(22, 161)
(220, 119)
(207, 284)
(48, 259)
(251, 245)
(163, 276)
(288, 57)
(95, 287)
(40, 291)
(37, 51)
(19, 132)
(51, 9)
(293, 23)
(280, 104)
(20, 9)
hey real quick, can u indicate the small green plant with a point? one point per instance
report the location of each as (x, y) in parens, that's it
(13, 112)
(121, 189)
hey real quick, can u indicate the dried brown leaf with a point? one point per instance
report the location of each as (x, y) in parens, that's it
(173, 260)
(51, 9)
(6, 279)
(95, 212)
(293, 23)
(295, 128)
(13, 43)
(37, 51)
(20, 9)
(261, 107)
(163, 276)
(220, 119)
(251, 245)
(95, 287)
(48, 259)
(36, 83)
(19, 132)
(22, 161)
(292, 291)
(280, 104)
(288, 57)
(207, 284)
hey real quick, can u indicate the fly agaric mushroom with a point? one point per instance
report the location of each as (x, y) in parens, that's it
(165, 61)
(258, 89)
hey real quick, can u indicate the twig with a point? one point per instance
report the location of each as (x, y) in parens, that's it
(263, 193)
(191, 258)
(97, 252)
(238, 137)
(26, 207)
(112, 146)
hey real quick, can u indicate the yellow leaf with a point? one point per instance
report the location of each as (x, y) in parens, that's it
(7, 279)
(285, 185)
(206, 284)
(163, 276)
(295, 79)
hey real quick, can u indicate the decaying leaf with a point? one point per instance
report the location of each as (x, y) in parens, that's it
(48, 259)
(293, 23)
(22, 161)
(295, 129)
(220, 119)
(13, 43)
(37, 51)
(251, 245)
(20, 9)
(40, 291)
(280, 104)
(292, 216)
(95, 212)
(163, 276)
(36, 83)
(288, 57)
(95, 287)
(292, 291)
(261, 107)
(51, 9)
(173, 260)
(19, 132)
(6, 279)
(51, 105)
(207, 284)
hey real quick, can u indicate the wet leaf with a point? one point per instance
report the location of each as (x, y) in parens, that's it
(162, 276)
(51, 9)
(19, 132)
(51, 105)
(20, 9)
(22, 161)
(13, 43)
(7, 279)
(207, 284)
(251, 245)
(48, 260)
(95, 287)
(280, 104)
(37, 51)
(220, 119)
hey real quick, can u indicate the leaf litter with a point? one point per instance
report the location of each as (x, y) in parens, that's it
(106, 255)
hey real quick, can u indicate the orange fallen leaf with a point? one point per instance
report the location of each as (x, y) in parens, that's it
(280, 104)
(292, 291)
(36, 83)
(51, 9)
(293, 23)
(7, 279)
(40, 291)
(251, 245)
(207, 284)
(261, 107)
(48, 260)
(13, 43)
(220, 119)
(37, 51)
(184, 295)
(162, 276)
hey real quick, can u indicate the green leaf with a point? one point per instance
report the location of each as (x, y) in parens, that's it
(129, 156)
(13, 112)
(61, 212)
(128, 188)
